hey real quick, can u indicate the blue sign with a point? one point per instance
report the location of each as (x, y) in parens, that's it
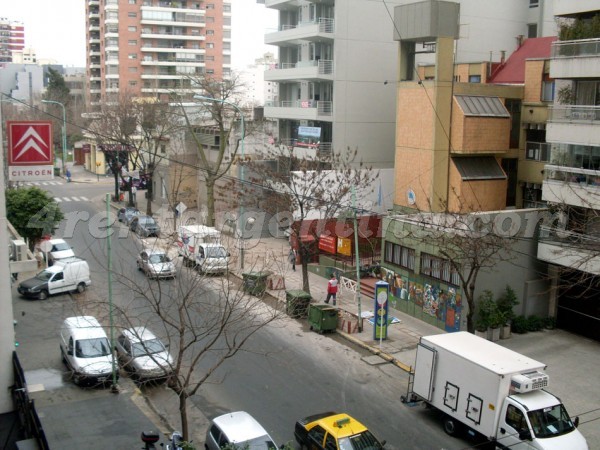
(309, 131)
(381, 307)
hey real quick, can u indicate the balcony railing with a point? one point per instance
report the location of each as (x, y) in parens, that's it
(569, 237)
(325, 66)
(323, 108)
(572, 113)
(325, 25)
(574, 49)
(584, 177)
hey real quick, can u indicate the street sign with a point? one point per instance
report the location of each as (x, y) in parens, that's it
(180, 208)
(30, 155)
(45, 246)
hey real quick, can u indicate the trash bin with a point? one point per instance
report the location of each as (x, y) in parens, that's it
(255, 283)
(322, 317)
(297, 302)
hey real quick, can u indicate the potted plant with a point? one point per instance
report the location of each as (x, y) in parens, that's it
(486, 313)
(495, 324)
(481, 328)
(505, 305)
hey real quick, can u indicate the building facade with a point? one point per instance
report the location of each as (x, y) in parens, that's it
(12, 38)
(572, 173)
(155, 47)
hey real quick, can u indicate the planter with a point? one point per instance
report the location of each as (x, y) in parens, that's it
(493, 334)
(481, 334)
(505, 332)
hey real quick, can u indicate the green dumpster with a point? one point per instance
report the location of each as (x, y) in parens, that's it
(322, 317)
(297, 302)
(255, 283)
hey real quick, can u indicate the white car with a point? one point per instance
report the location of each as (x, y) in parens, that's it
(60, 250)
(237, 430)
(143, 354)
(156, 264)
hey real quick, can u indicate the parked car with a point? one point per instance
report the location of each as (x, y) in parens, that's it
(60, 250)
(156, 264)
(66, 275)
(85, 350)
(239, 430)
(143, 354)
(126, 214)
(144, 226)
(332, 430)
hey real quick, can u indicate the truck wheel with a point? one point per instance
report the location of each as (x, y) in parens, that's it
(43, 295)
(450, 426)
(80, 288)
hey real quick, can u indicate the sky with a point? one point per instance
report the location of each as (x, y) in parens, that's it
(56, 29)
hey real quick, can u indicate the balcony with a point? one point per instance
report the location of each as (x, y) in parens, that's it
(283, 5)
(575, 59)
(569, 249)
(575, 124)
(316, 31)
(571, 186)
(300, 110)
(537, 151)
(181, 37)
(302, 70)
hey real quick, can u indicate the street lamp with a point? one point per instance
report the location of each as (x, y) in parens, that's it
(234, 106)
(64, 131)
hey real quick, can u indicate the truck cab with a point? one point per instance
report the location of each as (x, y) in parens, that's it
(212, 258)
(536, 420)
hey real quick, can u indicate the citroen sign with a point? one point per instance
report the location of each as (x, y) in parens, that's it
(30, 155)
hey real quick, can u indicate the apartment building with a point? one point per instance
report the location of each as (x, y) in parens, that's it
(153, 47)
(572, 174)
(12, 38)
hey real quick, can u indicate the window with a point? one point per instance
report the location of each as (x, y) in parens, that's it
(163, 148)
(399, 255)
(515, 418)
(132, 2)
(132, 69)
(131, 14)
(132, 83)
(210, 6)
(210, 32)
(537, 151)
(132, 56)
(132, 29)
(474, 78)
(210, 45)
(210, 19)
(317, 434)
(210, 71)
(547, 91)
(534, 3)
(132, 42)
(532, 30)
(439, 268)
(209, 58)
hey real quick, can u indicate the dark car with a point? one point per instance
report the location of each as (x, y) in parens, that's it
(126, 214)
(144, 226)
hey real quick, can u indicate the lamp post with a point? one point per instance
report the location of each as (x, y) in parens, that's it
(64, 131)
(234, 106)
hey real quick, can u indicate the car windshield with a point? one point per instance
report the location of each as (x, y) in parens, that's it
(60, 247)
(44, 275)
(215, 252)
(550, 422)
(147, 347)
(158, 258)
(92, 348)
(147, 221)
(259, 443)
(362, 441)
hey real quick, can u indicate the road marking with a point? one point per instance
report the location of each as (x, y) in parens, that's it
(43, 183)
(70, 199)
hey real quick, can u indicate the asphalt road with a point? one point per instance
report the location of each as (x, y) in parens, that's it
(285, 373)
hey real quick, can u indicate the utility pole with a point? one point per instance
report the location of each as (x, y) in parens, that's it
(357, 258)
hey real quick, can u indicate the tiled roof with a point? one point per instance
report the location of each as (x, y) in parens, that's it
(513, 70)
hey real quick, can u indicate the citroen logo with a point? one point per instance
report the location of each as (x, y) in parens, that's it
(32, 141)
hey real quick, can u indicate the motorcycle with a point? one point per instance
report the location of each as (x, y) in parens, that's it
(176, 441)
(149, 438)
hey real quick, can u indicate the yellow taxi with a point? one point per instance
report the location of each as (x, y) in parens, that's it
(334, 431)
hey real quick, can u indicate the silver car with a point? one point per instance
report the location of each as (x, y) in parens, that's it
(240, 430)
(144, 355)
(156, 264)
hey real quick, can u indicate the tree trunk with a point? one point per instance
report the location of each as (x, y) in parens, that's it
(116, 175)
(149, 195)
(470, 315)
(210, 202)
(304, 262)
(183, 416)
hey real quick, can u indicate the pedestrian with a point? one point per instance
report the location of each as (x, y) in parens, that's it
(292, 258)
(68, 174)
(332, 288)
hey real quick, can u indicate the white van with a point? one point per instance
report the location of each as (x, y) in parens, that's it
(240, 430)
(86, 351)
(211, 258)
(66, 275)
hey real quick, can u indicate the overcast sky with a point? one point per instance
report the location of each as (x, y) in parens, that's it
(56, 29)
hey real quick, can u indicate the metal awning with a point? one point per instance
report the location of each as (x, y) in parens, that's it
(482, 106)
(478, 168)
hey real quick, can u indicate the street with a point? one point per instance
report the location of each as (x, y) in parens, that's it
(286, 371)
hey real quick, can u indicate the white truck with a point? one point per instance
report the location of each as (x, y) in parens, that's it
(201, 246)
(492, 391)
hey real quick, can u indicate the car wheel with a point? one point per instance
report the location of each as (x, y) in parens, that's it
(62, 357)
(80, 288)
(139, 266)
(43, 295)
(450, 426)
(76, 378)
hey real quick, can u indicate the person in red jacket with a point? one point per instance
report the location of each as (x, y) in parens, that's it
(332, 288)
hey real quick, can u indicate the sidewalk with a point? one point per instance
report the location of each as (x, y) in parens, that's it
(572, 360)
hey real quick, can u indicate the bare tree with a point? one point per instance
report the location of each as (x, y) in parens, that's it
(316, 185)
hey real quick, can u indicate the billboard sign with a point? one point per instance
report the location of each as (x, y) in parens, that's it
(327, 243)
(30, 155)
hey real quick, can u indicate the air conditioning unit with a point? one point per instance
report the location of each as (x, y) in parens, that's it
(19, 250)
(530, 381)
